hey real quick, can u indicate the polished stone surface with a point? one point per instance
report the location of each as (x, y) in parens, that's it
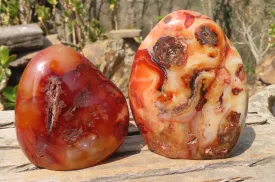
(187, 89)
(68, 115)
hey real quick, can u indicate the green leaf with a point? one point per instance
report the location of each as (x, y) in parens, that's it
(8, 72)
(9, 94)
(73, 1)
(6, 19)
(9, 104)
(79, 5)
(15, 89)
(98, 65)
(4, 54)
(13, 9)
(52, 2)
(43, 13)
(2, 8)
(66, 13)
(1, 74)
(112, 2)
(11, 58)
(70, 27)
(159, 18)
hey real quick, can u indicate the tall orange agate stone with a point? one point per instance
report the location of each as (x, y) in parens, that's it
(187, 89)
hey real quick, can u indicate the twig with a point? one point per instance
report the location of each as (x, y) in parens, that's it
(266, 49)
(262, 38)
(255, 37)
(73, 32)
(70, 44)
(252, 24)
(4, 80)
(258, 51)
(241, 43)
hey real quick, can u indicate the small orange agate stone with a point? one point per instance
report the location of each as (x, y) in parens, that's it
(68, 115)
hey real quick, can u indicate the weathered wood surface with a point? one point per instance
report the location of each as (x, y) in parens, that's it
(123, 33)
(22, 37)
(24, 57)
(252, 160)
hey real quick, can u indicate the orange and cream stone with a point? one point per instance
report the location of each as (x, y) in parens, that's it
(187, 89)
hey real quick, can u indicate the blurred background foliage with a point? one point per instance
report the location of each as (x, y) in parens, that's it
(8, 93)
(249, 24)
(69, 18)
(81, 21)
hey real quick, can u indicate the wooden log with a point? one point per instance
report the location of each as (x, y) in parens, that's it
(23, 58)
(22, 37)
(123, 33)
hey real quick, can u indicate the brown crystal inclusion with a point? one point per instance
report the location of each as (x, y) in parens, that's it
(234, 117)
(70, 136)
(171, 51)
(226, 138)
(240, 72)
(236, 91)
(215, 152)
(206, 36)
(54, 105)
(232, 127)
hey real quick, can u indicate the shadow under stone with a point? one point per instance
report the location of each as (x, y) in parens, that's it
(271, 104)
(247, 137)
(132, 145)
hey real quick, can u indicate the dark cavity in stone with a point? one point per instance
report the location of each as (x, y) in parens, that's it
(221, 99)
(236, 91)
(240, 72)
(193, 81)
(234, 117)
(271, 104)
(202, 99)
(54, 105)
(171, 51)
(206, 36)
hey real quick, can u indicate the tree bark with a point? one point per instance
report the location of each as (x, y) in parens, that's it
(203, 7)
(210, 9)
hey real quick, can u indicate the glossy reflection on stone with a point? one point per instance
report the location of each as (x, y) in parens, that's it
(68, 115)
(188, 89)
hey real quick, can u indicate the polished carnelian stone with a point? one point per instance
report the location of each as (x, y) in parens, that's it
(187, 89)
(68, 115)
